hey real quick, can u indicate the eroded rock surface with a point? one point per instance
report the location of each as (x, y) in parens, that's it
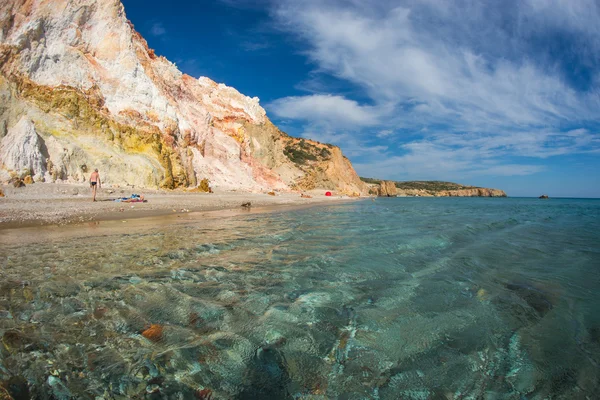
(77, 79)
(387, 189)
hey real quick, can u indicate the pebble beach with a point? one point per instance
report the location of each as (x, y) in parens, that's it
(47, 204)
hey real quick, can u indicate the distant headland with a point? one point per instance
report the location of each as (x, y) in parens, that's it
(384, 188)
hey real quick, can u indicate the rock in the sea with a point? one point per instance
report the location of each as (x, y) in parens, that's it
(267, 376)
(203, 394)
(15, 388)
(595, 334)
(14, 340)
(4, 395)
(534, 297)
(154, 333)
(154, 388)
(58, 388)
(544, 196)
(387, 189)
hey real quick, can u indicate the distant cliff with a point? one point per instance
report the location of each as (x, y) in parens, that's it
(387, 189)
(431, 189)
(80, 89)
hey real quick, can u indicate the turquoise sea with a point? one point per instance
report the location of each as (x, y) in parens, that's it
(402, 298)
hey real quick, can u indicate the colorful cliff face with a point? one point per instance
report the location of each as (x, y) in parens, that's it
(80, 89)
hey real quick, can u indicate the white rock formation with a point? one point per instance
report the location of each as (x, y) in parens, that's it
(94, 89)
(21, 151)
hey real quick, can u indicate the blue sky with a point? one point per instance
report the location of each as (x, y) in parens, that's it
(502, 94)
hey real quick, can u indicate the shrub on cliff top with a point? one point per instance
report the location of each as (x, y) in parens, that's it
(432, 185)
(298, 156)
(303, 151)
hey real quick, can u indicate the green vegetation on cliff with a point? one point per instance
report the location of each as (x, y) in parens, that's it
(301, 151)
(433, 186)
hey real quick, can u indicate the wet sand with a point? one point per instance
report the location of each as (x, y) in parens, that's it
(64, 204)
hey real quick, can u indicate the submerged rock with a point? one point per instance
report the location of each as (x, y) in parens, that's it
(4, 395)
(154, 333)
(534, 297)
(14, 340)
(58, 388)
(266, 376)
(16, 388)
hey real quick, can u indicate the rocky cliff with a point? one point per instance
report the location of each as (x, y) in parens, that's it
(80, 89)
(428, 189)
(475, 192)
(387, 189)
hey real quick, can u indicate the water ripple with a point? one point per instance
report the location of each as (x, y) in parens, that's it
(398, 298)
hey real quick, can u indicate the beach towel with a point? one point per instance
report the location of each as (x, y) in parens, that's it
(134, 198)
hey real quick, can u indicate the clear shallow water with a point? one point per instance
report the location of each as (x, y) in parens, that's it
(397, 298)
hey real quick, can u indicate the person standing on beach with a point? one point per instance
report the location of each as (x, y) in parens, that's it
(95, 182)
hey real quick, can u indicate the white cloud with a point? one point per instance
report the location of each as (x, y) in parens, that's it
(384, 133)
(446, 156)
(324, 108)
(158, 29)
(580, 16)
(395, 57)
(425, 162)
(463, 74)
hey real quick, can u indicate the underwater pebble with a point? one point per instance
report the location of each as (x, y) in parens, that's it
(227, 296)
(59, 390)
(154, 333)
(100, 311)
(25, 315)
(39, 316)
(274, 338)
(152, 388)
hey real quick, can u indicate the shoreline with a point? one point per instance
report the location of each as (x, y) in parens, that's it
(45, 204)
(22, 235)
